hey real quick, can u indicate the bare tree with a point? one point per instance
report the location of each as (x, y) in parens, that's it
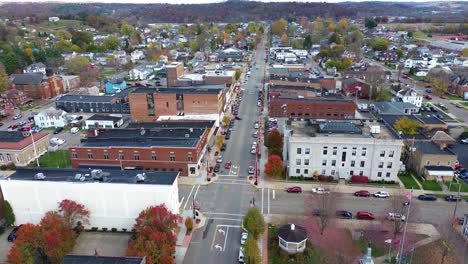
(323, 208)
(375, 76)
(398, 208)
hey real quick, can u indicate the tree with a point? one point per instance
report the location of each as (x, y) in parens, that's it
(226, 121)
(63, 35)
(193, 46)
(219, 141)
(343, 24)
(9, 214)
(89, 74)
(337, 51)
(11, 62)
(334, 63)
(188, 224)
(379, 44)
(407, 126)
(251, 251)
(284, 39)
(397, 206)
(26, 245)
(30, 53)
(126, 29)
(57, 237)
(73, 212)
(3, 78)
(274, 140)
(155, 236)
(465, 52)
(410, 34)
(440, 86)
(237, 74)
(75, 64)
(347, 63)
(111, 42)
(335, 38)
(323, 208)
(254, 222)
(307, 44)
(274, 167)
(370, 23)
(411, 71)
(279, 27)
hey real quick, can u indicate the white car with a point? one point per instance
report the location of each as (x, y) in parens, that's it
(256, 126)
(251, 170)
(244, 237)
(254, 143)
(464, 141)
(253, 150)
(220, 159)
(320, 190)
(395, 216)
(18, 116)
(241, 255)
(381, 194)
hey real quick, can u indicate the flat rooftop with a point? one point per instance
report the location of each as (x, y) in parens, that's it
(78, 259)
(429, 147)
(196, 89)
(329, 99)
(104, 117)
(146, 137)
(108, 175)
(173, 124)
(94, 98)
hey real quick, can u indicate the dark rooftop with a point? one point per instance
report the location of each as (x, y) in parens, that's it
(104, 117)
(439, 168)
(76, 259)
(11, 136)
(200, 89)
(108, 175)
(339, 127)
(428, 147)
(173, 124)
(292, 233)
(26, 78)
(94, 98)
(146, 137)
(315, 99)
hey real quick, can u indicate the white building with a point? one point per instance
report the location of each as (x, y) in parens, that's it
(113, 197)
(103, 121)
(410, 96)
(36, 67)
(341, 149)
(145, 71)
(54, 19)
(137, 55)
(50, 117)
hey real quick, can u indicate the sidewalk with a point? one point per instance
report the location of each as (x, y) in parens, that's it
(183, 240)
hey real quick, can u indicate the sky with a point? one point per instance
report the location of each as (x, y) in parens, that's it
(196, 1)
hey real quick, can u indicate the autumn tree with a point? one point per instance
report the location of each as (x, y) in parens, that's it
(26, 244)
(335, 38)
(75, 64)
(57, 237)
(73, 212)
(379, 44)
(279, 27)
(219, 141)
(111, 42)
(155, 236)
(3, 78)
(322, 208)
(343, 24)
(238, 74)
(126, 29)
(251, 251)
(304, 22)
(284, 39)
(274, 167)
(254, 222)
(407, 126)
(274, 140)
(89, 74)
(464, 52)
(440, 86)
(370, 23)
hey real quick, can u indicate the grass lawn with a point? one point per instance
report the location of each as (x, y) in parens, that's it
(391, 66)
(429, 185)
(376, 251)
(409, 182)
(454, 187)
(453, 97)
(54, 159)
(464, 103)
(108, 72)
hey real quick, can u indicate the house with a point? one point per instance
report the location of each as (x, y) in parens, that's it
(103, 121)
(352, 85)
(146, 71)
(114, 85)
(137, 55)
(50, 117)
(21, 148)
(395, 108)
(54, 19)
(459, 86)
(410, 96)
(415, 62)
(16, 97)
(70, 82)
(231, 54)
(36, 67)
(29, 83)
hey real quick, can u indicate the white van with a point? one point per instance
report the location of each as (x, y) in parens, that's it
(74, 130)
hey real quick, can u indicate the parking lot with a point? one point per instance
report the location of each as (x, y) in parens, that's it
(105, 244)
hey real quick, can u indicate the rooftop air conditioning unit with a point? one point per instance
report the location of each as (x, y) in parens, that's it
(39, 176)
(140, 177)
(97, 174)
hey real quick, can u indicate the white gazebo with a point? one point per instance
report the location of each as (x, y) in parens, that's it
(292, 238)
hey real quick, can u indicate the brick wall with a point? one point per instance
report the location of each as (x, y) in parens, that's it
(312, 109)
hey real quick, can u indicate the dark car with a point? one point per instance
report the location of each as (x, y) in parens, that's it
(1, 124)
(362, 193)
(344, 214)
(216, 167)
(13, 234)
(452, 198)
(227, 137)
(223, 147)
(427, 197)
(238, 118)
(365, 216)
(318, 212)
(433, 109)
(295, 189)
(58, 130)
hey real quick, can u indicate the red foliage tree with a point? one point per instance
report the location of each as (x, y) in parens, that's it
(72, 212)
(274, 167)
(155, 236)
(274, 140)
(26, 244)
(57, 237)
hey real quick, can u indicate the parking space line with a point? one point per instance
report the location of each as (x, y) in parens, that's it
(214, 238)
(190, 194)
(182, 201)
(225, 237)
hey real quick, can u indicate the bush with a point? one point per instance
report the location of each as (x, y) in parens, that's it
(284, 255)
(11, 166)
(113, 229)
(359, 179)
(3, 167)
(9, 214)
(299, 257)
(330, 178)
(322, 178)
(188, 224)
(94, 229)
(104, 229)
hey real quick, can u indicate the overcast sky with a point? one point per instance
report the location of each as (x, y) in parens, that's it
(193, 1)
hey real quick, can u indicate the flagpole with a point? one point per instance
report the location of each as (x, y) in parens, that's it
(400, 252)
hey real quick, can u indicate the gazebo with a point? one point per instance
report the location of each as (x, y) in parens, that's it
(292, 238)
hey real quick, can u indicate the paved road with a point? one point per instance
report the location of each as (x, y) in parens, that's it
(225, 201)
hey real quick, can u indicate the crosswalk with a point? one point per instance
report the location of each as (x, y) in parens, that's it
(231, 181)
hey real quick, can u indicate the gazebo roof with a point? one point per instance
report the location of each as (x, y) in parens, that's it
(292, 233)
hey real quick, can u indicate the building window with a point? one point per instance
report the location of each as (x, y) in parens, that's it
(298, 161)
(333, 162)
(389, 165)
(121, 156)
(343, 156)
(334, 152)
(382, 153)
(172, 157)
(167, 104)
(73, 154)
(325, 150)
(106, 155)
(90, 155)
(153, 157)
(362, 164)
(306, 171)
(332, 172)
(387, 175)
(353, 163)
(391, 153)
(438, 163)
(351, 173)
(448, 163)
(307, 151)
(361, 173)
(306, 162)
(189, 158)
(380, 164)
(299, 150)
(136, 156)
(428, 162)
(324, 172)
(363, 153)
(324, 162)
(298, 171)
(353, 152)
(379, 174)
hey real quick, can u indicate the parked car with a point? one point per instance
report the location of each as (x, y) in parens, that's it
(216, 167)
(14, 126)
(344, 214)
(223, 147)
(228, 165)
(22, 123)
(238, 118)
(320, 190)
(74, 130)
(241, 255)
(58, 130)
(395, 217)
(427, 197)
(463, 175)
(219, 159)
(295, 189)
(381, 194)
(14, 234)
(251, 170)
(362, 193)
(244, 237)
(36, 129)
(452, 198)
(428, 97)
(458, 105)
(253, 150)
(256, 126)
(365, 215)
(17, 116)
(464, 141)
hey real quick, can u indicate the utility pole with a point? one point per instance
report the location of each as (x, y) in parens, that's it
(400, 251)
(456, 202)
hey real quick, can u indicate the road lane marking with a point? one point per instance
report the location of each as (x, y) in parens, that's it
(262, 199)
(223, 213)
(268, 201)
(181, 202)
(230, 183)
(235, 226)
(214, 238)
(220, 218)
(190, 194)
(195, 196)
(225, 238)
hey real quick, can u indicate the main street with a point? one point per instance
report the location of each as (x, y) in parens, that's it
(226, 201)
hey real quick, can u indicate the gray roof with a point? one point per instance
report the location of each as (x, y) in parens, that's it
(173, 124)
(11, 136)
(110, 175)
(94, 98)
(298, 234)
(76, 259)
(315, 99)
(438, 168)
(353, 80)
(26, 78)
(104, 117)
(393, 108)
(339, 127)
(428, 147)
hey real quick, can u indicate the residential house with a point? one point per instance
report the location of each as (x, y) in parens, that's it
(114, 85)
(410, 96)
(50, 117)
(21, 148)
(459, 86)
(146, 71)
(36, 68)
(103, 121)
(70, 82)
(137, 55)
(15, 97)
(421, 73)
(352, 85)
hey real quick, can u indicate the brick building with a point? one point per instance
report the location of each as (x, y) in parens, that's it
(17, 147)
(148, 104)
(313, 83)
(176, 76)
(36, 86)
(351, 85)
(322, 108)
(161, 146)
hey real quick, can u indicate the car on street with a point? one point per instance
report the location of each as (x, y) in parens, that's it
(244, 237)
(228, 165)
(22, 123)
(1, 124)
(255, 135)
(452, 198)
(395, 217)
(251, 170)
(216, 167)
(427, 197)
(223, 147)
(294, 189)
(381, 194)
(74, 130)
(13, 234)
(464, 141)
(428, 97)
(219, 159)
(253, 150)
(365, 215)
(458, 105)
(463, 175)
(14, 126)
(17, 116)
(320, 190)
(344, 214)
(362, 193)
(227, 137)
(58, 130)
(238, 118)
(256, 126)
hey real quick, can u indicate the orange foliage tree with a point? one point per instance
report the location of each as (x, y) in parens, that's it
(274, 167)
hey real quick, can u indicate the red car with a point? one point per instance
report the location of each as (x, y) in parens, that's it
(365, 215)
(428, 97)
(295, 189)
(443, 97)
(458, 166)
(228, 165)
(13, 126)
(362, 193)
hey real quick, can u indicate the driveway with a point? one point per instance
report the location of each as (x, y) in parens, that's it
(4, 245)
(106, 244)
